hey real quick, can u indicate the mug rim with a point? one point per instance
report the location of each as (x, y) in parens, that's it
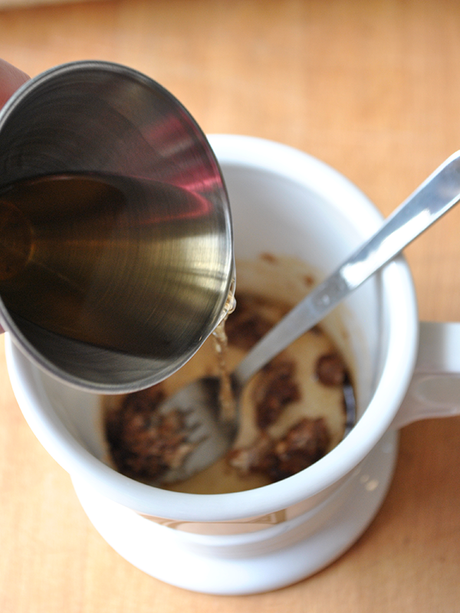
(273, 157)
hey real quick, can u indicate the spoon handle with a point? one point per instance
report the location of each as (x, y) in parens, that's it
(435, 196)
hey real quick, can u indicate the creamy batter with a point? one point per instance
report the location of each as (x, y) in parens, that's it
(299, 394)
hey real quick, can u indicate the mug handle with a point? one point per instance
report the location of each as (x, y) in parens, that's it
(435, 387)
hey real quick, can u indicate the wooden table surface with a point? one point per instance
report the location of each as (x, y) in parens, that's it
(371, 87)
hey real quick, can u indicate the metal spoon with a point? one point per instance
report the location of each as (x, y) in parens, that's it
(200, 400)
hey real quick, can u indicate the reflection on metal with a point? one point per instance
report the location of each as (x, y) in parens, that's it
(130, 260)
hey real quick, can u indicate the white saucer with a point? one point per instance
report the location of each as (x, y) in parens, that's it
(212, 564)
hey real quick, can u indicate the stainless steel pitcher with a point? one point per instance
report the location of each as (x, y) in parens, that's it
(159, 286)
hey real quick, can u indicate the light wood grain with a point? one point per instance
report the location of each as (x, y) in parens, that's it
(371, 87)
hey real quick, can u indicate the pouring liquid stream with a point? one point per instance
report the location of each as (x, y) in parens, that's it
(227, 400)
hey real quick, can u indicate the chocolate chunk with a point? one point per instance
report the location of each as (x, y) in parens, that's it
(275, 389)
(331, 370)
(305, 443)
(143, 442)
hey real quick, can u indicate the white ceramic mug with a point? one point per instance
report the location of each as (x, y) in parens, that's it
(284, 202)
